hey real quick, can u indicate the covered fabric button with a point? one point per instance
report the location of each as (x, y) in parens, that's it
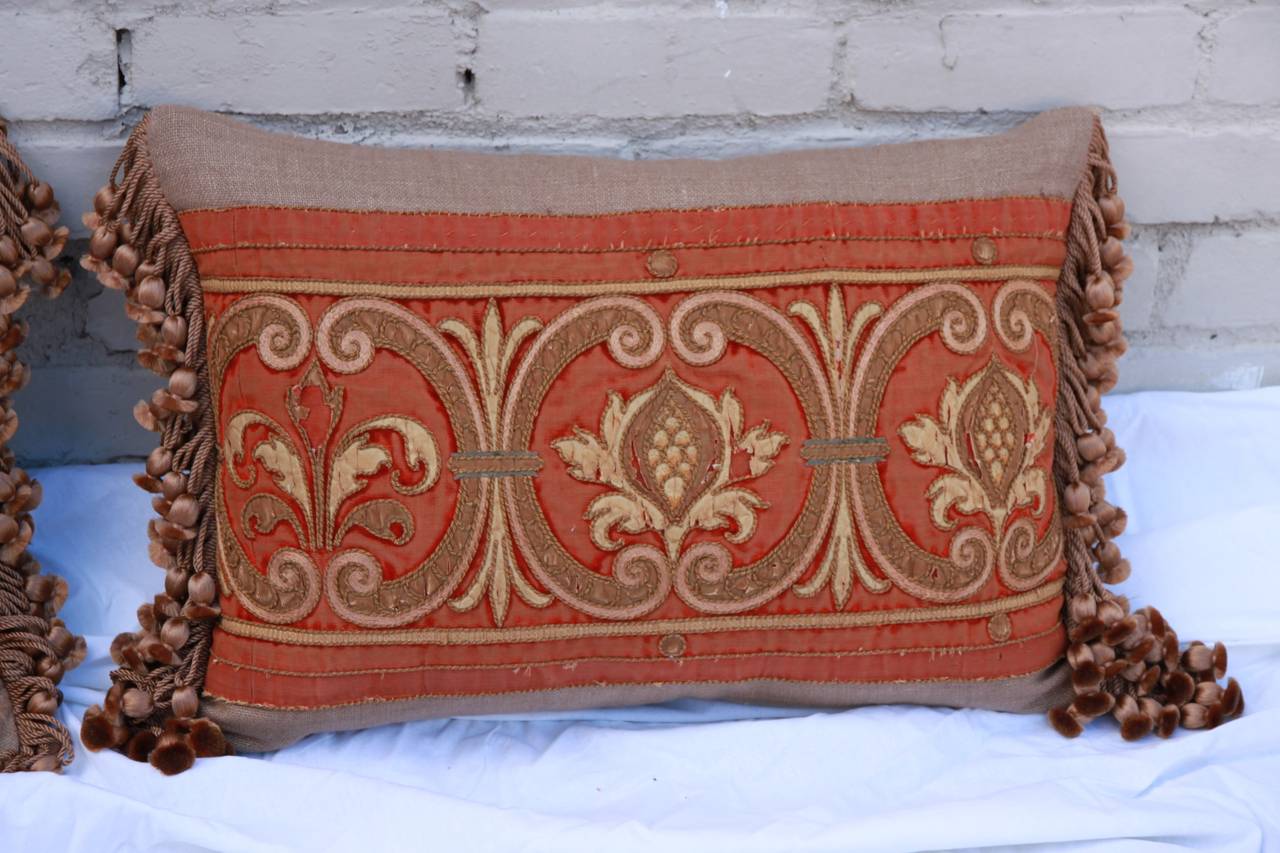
(1000, 627)
(662, 263)
(984, 250)
(672, 645)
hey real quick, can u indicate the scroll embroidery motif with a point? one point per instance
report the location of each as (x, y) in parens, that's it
(321, 476)
(666, 455)
(837, 340)
(991, 431)
(491, 355)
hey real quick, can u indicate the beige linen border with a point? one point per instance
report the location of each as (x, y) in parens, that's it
(473, 290)
(203, 160)
(544, 633)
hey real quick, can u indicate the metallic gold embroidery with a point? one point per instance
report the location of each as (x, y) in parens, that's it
(321, 485)
(843, 451)
(702, 326)
(348, 336)
(1020, 310)
(958, 318)
(281, 332)
(837, 341)
(956, 315)
(578, 630)
(582, 289)
(491, 355)
(495, 464)
(640, 577)
(989, 433)
(667, 454)
(288, 591)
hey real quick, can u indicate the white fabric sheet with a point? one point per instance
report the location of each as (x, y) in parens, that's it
(1200, 488)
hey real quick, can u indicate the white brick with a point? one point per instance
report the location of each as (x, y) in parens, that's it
(82, 414)
(310, 62)
(1023, 60)
(1177, 176)
(1230, 280)
(75, 166)
(1140, 290)
(1246, 58)
(1190, 368)
(56, 67)
(564, 64)
(107, 322)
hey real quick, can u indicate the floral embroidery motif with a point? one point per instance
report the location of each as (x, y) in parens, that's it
(320, 475)
(667, 455)
(639, 576)
(989, 432)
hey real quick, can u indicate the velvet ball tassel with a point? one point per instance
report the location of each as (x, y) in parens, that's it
(1128, 665)
(152, 710)
(36, 649)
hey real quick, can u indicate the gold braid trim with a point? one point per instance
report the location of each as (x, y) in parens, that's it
(1123, 663)
(35, 647)
(549, 289)
(137, 246)
(640, 628)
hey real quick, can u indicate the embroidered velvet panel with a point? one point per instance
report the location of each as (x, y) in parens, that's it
(591, 468)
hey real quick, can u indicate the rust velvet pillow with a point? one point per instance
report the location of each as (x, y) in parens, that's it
(450, 433)
(35, 646)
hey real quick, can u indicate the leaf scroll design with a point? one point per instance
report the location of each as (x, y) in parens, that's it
(666, 455)
(837, 336)
(491, 355)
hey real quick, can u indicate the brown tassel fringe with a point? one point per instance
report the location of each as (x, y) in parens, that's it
(35, 647)
(1128, 664)
(137, 246)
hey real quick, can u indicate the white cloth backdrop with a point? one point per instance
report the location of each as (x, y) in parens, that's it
(1201, 491)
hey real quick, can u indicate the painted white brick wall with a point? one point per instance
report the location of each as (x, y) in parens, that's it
(1190, 91)
(297, 62)
(1206, 172)
(56, 66)
(1230, 281)
(638, 65)
(1247, 53)
(1023, 60)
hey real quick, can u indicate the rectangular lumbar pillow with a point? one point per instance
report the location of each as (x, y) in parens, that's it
(35, 646)
(450, 433)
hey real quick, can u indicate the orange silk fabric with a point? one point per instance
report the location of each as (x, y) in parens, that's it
(430, 263)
